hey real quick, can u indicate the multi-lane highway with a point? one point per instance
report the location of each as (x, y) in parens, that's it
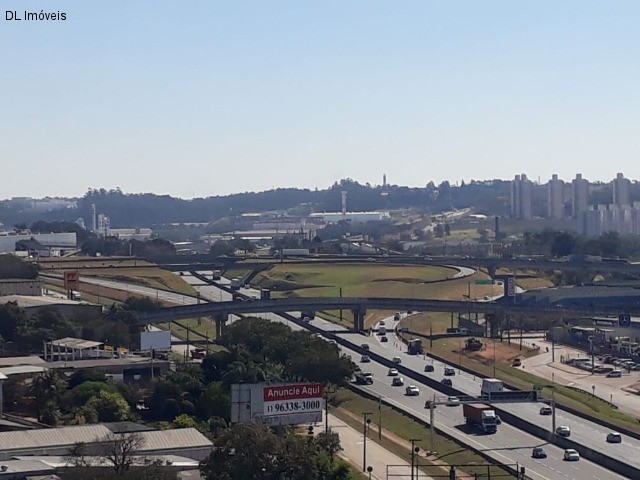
(508, 445)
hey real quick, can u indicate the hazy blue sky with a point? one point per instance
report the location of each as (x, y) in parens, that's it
(201, 98)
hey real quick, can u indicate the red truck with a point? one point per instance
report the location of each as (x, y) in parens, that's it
(481, 415)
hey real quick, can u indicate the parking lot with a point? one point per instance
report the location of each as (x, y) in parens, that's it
(620, 391)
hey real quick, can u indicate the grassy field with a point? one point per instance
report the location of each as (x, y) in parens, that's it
(523, 380)
(446, 450)
(358, 280)
(148, 277)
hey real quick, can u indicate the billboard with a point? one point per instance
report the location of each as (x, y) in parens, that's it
(72, 280)
(277, 404)
(158, 340)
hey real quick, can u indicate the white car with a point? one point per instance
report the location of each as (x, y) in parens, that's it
(571, 455)
(412, 391)
(397, 382)
(563, 431)
(393, 372)
(453, 402)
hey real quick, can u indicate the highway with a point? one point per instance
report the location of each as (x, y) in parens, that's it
(509, 445)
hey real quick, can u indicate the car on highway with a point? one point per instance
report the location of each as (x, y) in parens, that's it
(538, 452)
(571, 455)
(412, 391)
(453, 401)
(364, 346)
(447, 382)
(397, 382)
(429, 368)
(449, 372)
(614, 437)
(384, 339)
(563, 431)
(516, 362)
(381, 322)
(546, 410)
(393, 372)
(365, 359)
(428, 404)
(397, 360)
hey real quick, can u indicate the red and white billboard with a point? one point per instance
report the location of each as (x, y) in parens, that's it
(292, 399)
(277, 404)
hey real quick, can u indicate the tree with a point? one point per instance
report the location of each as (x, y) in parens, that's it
(106, 407)
(77, 455)
(249, 451)
(563, 244)
(120, 450)
(48, 388)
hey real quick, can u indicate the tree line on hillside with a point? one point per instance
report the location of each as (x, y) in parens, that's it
(147, 209)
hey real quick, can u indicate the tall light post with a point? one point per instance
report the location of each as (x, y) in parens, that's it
(365, 427)
(494, 358)
(414, 451)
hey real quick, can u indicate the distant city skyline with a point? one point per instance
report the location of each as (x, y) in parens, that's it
(213, 98)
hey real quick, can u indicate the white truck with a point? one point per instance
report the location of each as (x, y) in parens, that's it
(491, 385)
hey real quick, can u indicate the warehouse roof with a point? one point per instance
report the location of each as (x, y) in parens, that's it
(63, 436)
(15, 361)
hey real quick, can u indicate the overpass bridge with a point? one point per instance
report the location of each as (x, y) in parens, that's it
(359, 306)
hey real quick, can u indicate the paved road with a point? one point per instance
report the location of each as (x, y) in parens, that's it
(610, 389)
(377, 456)
(509, 445)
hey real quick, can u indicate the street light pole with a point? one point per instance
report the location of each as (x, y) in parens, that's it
(494, 358)
(365, 427)
(414, 450)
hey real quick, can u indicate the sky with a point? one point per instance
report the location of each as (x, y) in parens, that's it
(207, 97)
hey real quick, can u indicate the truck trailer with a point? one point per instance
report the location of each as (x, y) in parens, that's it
(481, 415)
(491, 385)
(236, 283)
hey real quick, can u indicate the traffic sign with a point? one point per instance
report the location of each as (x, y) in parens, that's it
(485, 281)
(624, 320)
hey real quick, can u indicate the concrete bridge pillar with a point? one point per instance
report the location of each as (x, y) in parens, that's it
(358, 318)
(221, 321)
(491, 270)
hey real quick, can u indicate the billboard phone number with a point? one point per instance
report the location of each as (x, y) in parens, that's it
(292, 406)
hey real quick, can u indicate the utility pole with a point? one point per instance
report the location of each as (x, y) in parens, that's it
(414, 451)
(365, 427)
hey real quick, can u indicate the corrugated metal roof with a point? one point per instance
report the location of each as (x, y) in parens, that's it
(52, 437)
(178, 438)
(22, 370)
(14, 361)
(58, 437)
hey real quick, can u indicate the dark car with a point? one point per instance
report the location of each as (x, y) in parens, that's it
(365, 346)
(384, 339)
(447, 382)
(538, 452)
(429, 368)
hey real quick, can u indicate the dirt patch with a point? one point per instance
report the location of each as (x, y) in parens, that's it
(501, 351)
